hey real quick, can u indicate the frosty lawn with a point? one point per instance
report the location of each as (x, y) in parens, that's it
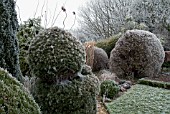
(142, 99)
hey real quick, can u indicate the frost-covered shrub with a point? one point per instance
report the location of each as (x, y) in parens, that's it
(27, 31)
(14, 98)
(108, 44)
(109, 88)
(55, 55)
(67, 97)
(9, 50)
(138, 53)
(101, 60)
(86, 70)
(107, 75)
(63, 84)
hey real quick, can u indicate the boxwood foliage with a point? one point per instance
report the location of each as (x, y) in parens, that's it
(27, 31)
(108, 44)
(109, 88)
(54, 53)
(67, 97)
(154, 83)
(141, 99)
(14, 98)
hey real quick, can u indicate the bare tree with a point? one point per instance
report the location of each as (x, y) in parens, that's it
(156, 15)
(103, 18)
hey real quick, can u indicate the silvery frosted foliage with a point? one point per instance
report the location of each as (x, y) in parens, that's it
(104, 18)
(55, 55)
(27, 31)
(68, 97)
(14, 98)
(156, 15)
(137, 53)
(153, 13)
(9, 50)
(101, 59)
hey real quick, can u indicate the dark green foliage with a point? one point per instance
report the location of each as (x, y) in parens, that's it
(166, 64)
(14, 98)
(26, 33)
(108, 44)
(63, 83)
(9, 50)
(67, 97)
(154, 83)
(55, 55)
(109, 88)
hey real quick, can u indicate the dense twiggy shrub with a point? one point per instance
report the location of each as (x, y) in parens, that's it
(14, 98)
(137, 53)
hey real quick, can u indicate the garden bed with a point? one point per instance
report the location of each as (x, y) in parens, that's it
(141, 99)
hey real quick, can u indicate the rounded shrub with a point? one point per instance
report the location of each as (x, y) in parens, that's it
(27, 31)
(55, 55)
(109, 88)
(14, 98)
(67, 97)
(137, 53)
(100, 60)
(108, 44)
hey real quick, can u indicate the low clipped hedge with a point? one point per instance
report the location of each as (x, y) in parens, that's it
(108, 44)
(141, 99)
(154, 83)
(14, 98)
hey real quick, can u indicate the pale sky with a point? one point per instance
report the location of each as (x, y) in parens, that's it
(26, 9)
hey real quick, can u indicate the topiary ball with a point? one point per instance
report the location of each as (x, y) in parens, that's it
(109, 88)
(14, 99)
(101, 60)
(68, 97)
(137, 53)
(55, 55)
